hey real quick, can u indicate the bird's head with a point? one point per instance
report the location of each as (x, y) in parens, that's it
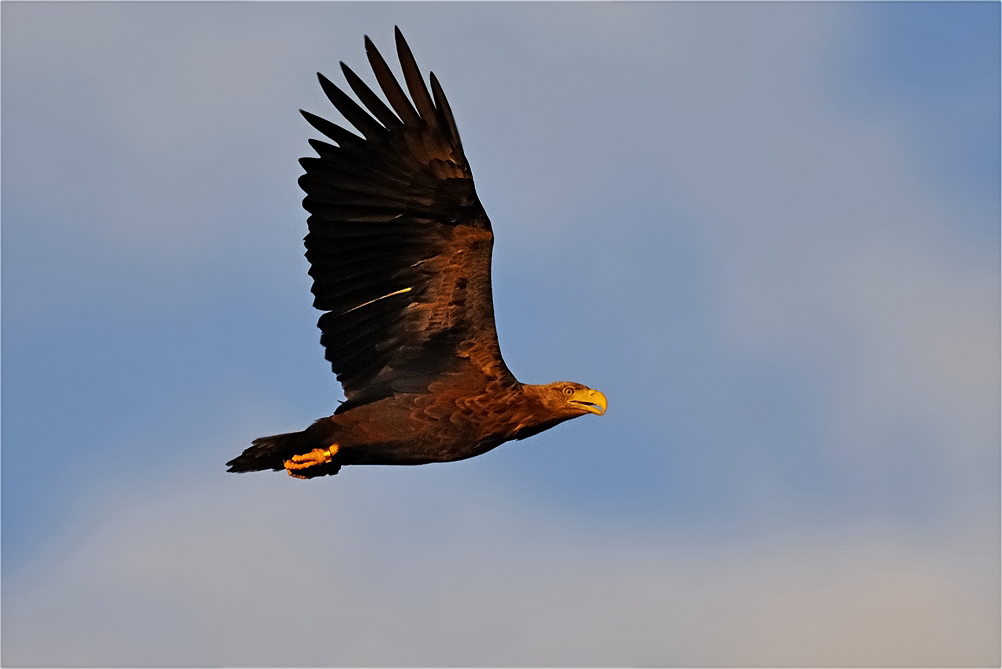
(571, 399)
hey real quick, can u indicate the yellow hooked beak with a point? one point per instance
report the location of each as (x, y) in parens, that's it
(589, 400)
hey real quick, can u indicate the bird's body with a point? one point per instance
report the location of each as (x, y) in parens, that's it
(400, 254)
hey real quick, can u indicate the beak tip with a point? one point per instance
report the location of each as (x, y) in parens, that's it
(601, 404)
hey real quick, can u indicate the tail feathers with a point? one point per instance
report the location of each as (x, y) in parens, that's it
(267, 453)
(272, 452)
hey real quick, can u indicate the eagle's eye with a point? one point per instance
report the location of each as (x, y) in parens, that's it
(568, 391)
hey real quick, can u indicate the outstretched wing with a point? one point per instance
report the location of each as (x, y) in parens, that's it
(399, 245)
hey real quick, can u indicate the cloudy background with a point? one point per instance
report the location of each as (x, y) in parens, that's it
(768, 232)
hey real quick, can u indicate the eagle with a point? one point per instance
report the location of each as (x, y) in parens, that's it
(399, 248)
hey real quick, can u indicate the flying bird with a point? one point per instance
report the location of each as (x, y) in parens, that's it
(399, 248)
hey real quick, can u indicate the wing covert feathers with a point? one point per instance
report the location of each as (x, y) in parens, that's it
(399, 245)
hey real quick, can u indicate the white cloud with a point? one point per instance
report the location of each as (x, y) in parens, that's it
(268, 571)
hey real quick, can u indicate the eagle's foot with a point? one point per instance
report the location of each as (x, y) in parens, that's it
(318, 456)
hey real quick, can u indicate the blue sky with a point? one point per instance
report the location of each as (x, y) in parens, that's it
(768, 232)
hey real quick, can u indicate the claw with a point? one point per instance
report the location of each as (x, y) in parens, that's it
(318, 456)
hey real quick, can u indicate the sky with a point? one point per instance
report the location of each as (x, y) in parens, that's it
(768, 232)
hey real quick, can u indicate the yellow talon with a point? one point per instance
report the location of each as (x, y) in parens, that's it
(318, 456)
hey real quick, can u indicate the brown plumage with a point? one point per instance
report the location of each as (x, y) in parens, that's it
(400, 254)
